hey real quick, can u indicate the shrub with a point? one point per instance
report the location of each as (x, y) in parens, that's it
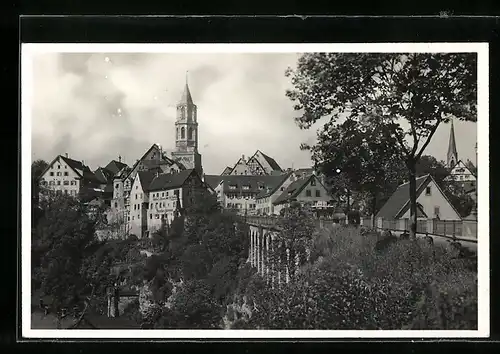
(348, 285)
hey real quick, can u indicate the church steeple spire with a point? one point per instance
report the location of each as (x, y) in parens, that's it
(186, 98)
(452, 156)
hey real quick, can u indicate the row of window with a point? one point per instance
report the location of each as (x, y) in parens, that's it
(58, 183)
(151, 205)
(239, 206)
(59, 167)
(64, 191)
(59, 173)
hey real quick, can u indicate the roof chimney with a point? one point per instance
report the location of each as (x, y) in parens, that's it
(119, 158)
(83, 162)
(66, 154)
(243, 157)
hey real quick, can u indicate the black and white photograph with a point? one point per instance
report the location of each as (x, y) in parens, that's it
(255, 190)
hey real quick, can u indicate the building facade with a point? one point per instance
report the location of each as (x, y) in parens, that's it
(68, 176)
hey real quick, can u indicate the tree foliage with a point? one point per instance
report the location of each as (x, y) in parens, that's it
(63, 244)
(361, 161)
(405, 95)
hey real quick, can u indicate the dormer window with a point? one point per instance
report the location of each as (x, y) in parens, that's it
(232, 186)
(261, 187)
(246, 187)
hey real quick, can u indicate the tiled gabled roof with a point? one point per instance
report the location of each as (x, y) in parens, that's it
(293, 190)
(249, 184)
(272, 162)
(213, 180)
(169, 180)
(400, 198)
(82, 170)
(273, 188)
(103, 175)
(115, 166)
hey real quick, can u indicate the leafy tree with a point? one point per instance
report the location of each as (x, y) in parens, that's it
(430, 165)
(405, 95)
(37, 168)
(295, 234)
(63, 247)
(193, 307)
(362, 160)
(462, 202)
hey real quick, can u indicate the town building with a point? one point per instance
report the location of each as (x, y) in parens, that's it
(156, 198)
(459, 171)
(239, 192)
(306, 190)
(68, 176)
(257, 165)
(154, 160)
(432, 203)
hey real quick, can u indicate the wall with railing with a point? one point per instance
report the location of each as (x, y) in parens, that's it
(448, 228)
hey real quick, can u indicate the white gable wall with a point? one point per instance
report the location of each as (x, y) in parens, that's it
(60, 177)
(461, 173)
(435, 199)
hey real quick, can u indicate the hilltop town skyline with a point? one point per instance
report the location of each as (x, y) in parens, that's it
(97, 107)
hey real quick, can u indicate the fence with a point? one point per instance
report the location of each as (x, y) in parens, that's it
(450, 228)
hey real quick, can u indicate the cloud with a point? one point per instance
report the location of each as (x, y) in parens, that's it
(96, 108)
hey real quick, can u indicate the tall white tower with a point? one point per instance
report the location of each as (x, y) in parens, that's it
(186, 133)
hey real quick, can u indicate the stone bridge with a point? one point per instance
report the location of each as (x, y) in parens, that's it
(263, 245)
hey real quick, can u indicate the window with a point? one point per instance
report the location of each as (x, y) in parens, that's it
(163, 194)
(176, 192)
(246, 187)
(436, 211)
(52, 173)
(73, 183)
(116, 205)
(190, 134)
(65, 166)
(51, 183)
(232, 187)
(313, 182)
(66, 191)
(66, 183)
(261, 187)
(58, 183)
(157, 216)
(58, 173)
(318, 193)
(308, 192)
(59, 167)
(151, 205)
(136, 187)
(66, 173)
(133, 217)
(183, 133)
(166, 193)
(150, 216)
(136, 196)
(117, 186)
(428, 190)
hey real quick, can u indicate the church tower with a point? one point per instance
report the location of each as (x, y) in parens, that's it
(452, 156)
(186, 133)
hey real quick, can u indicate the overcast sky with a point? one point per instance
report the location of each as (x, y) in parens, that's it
(96, 107)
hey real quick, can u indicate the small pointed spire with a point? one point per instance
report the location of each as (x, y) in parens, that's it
(186, 95)
(452, 148)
